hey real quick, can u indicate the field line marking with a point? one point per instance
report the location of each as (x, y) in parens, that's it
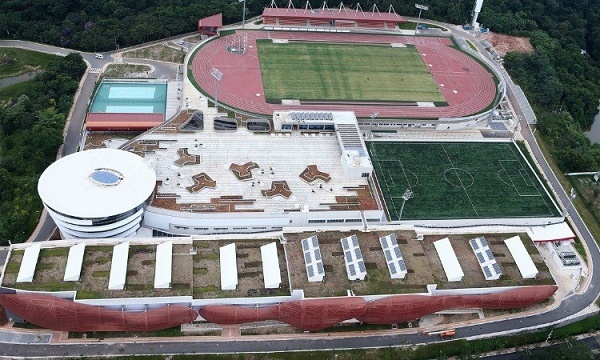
(459, 179)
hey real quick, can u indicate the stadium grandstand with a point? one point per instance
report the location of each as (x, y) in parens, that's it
(341, 16)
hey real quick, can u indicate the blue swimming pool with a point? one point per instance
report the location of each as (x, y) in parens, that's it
(130, 97)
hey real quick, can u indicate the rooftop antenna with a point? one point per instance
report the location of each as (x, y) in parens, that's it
(325, 7)
(391, 9)
(476, 11)
(273, 4)
(342, 7)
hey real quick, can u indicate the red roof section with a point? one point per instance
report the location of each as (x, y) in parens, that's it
(122, 121)
(211, 21)
(332, 14)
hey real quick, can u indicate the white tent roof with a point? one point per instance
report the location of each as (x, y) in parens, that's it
(29, 262)
(554, 232)
(118, 267)
(164, 265)
(270, 263)
(521, 256)
(229, 274)
(449, 261)
(74, 262)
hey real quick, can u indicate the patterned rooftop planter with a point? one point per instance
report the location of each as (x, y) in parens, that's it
(201, 181)
(278, 188)
(186, 159)
(243, 172)
(311, 173)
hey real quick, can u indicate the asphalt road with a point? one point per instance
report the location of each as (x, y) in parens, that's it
(569, 306)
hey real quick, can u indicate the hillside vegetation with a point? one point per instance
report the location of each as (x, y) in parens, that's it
(31, 128)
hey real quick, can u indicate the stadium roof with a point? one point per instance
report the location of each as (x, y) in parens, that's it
(122, 121)
(333, 14)
(270, 263)
(229, 274)
(118, 267)
(449, 261)
(164, 265)
(521, 256)
(96, 183)
(29, 263)
(554, 232)
(74, 262)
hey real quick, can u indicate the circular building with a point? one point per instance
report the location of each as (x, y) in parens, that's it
(97, 193)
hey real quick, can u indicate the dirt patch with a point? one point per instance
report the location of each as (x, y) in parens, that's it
(506, 43)
(161, 52)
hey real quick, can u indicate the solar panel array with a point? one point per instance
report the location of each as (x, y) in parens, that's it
(313, 259)
(485, 257)
(305, 115)
(355, 265)
(393, 256)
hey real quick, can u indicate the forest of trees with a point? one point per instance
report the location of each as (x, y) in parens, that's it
(31, 131)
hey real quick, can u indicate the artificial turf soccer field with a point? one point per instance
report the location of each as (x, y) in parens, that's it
(336, 72)
(450, 180)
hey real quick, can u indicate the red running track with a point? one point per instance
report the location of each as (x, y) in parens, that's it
(467, 86)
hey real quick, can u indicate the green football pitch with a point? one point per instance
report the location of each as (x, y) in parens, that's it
(337, 72)
(467, 180)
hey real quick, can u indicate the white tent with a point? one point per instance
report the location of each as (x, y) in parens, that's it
(229, 274)
(118, 267)
(554, 232)
(270, 263)
(449, 261)
(29, 263)
(164, 265)
(521, 256)
(74, 262)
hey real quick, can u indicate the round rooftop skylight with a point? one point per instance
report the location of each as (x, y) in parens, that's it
(106, 177)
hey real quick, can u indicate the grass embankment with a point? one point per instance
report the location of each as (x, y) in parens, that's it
(15, 61)
(161, 52)
(579, 202)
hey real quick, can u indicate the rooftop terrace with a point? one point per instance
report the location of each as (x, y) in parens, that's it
(278, 158)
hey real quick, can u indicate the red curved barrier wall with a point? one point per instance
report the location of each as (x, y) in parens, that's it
(59, 314)
(403, 308)
(318, 314)
(3, 318)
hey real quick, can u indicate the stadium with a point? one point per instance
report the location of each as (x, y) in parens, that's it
(310, 219)
(399, 77)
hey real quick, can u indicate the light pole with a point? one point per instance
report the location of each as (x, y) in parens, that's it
(373, 117)
(421, 8)
(218, 76)
(243, 13)
(406, 196)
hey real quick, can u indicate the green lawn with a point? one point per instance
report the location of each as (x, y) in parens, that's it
(458, 180)
(17, 61)
(315, 71)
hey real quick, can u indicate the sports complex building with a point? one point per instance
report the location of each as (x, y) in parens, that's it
(327, 192)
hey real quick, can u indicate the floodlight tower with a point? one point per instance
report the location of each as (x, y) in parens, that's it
(476, 11)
